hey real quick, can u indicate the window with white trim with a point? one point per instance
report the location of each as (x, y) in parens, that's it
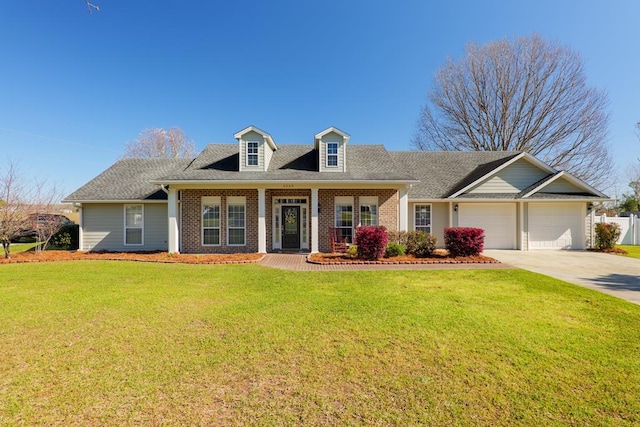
(236, 221)
(422, 218)
(332, 154)
(252, 153)
(368, 211)
(211, 221)
(134, 225)
(344, 217)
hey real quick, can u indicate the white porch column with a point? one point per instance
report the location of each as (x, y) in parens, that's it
(172, 213)
(314, 221)
(262, 222)
(80, 226)
(403, 210)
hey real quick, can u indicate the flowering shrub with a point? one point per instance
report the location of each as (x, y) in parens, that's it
(606, 235)
(464, 241)
(394, 249)
(371, 242)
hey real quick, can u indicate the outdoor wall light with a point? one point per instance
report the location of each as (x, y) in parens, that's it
(455, 208)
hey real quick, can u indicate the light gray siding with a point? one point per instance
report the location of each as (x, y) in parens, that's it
(512, 179)
(252, 136)
(439, 219)
(561, 185)
(103, 227)
(332, 137)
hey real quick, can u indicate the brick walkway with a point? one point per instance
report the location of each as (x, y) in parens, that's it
(298, 262)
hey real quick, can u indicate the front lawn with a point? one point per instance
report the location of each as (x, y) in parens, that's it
(632, 251)
(122, 343)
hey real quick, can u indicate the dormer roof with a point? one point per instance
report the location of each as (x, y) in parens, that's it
(238, 135)
(331, 129)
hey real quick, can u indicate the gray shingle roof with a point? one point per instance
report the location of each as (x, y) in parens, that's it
(128, 179)
(434, 175)
(219, 162)
(442, 173)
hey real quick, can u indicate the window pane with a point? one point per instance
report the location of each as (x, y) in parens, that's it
(236, 236)
(134, 216)
(236, 216)
(344, 216)
(211, 216)
(332, 148)
(423, 218)
(369, 215)
(211, 236)
(133, 236)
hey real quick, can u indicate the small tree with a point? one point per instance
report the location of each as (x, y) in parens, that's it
(14, 209)
(47, 222)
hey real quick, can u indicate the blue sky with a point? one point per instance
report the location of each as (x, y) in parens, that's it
(75, 87)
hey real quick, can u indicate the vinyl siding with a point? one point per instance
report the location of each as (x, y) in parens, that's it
(439, 219)
(103, 227)
(512, 179)
(332, 137)
(561, 185)
(252, 136)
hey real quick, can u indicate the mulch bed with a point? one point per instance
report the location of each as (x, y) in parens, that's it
(162, 257)
(440, 257)
(615, 251)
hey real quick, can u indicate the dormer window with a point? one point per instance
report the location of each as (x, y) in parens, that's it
(332, 154)
(252, 153)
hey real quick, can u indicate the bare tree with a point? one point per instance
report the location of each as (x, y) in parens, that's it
(14, 208)
(91, 6)
(527, 95)
(158, 142)
(45, 214)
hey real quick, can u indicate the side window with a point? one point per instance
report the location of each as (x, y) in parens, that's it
(133, 224)
(236, 231)
(211, 221)
(422, 218)
(344, 217)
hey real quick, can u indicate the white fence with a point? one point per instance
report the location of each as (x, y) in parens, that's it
(629, 228)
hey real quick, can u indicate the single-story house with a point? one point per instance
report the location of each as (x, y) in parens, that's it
(256, 196)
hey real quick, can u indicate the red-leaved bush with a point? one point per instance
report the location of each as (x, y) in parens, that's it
(371, 242)
(464, 241)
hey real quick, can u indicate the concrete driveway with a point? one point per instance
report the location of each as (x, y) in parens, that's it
(611, 274)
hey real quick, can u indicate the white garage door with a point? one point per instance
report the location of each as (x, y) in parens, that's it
(556, 225)
(497, 219)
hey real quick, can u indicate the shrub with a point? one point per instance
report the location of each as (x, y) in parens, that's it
(67, 238)
(371, 242)
(352, 251)
(394, 249)
(419, 243)
(606, 235)
(464, 241)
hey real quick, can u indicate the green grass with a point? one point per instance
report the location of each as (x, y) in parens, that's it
(632, 251)
(22, 247)
(118, 343)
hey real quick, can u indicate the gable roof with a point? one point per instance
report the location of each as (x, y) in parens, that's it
(441, 173)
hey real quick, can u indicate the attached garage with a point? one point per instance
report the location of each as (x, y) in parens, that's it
(556, 225)
(497, 219)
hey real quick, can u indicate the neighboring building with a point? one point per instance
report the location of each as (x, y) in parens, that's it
(255, 196)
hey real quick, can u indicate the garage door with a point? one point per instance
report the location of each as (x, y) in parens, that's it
(497, 219)
(556, 225)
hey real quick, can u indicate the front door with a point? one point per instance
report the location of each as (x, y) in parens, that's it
(291, 229)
